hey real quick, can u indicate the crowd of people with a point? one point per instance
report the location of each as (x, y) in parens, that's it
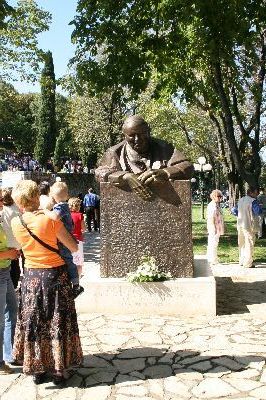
(251, 219)
(39, 330)
(26, 162)
(16, 162)
(72, 167)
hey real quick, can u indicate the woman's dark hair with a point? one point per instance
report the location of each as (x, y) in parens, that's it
(44, 188)
(252, 189)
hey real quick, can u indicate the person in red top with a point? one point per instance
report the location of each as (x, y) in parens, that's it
(78, 230)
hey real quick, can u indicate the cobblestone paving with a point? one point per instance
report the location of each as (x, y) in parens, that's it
(169, 358)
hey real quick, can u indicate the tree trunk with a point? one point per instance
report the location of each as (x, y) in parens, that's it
(236, 188)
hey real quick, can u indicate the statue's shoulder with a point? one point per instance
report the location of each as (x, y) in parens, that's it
(111, 155)
(116, 149)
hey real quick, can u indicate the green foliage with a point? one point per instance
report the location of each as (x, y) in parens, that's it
(62, 106)
(95, 122)
(19, 52)
(263, 177)
(187, 128)
(65, 146)
(121, 43)
(147, 271)
(5, 10)
(24, 135)
(16, 118)
(211, 54)
(46, 136)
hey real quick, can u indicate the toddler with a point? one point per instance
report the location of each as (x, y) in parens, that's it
(59, 192)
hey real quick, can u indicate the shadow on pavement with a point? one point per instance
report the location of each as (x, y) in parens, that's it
(235, 297)
(142, 363)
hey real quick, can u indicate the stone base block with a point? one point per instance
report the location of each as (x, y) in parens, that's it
(184, 297)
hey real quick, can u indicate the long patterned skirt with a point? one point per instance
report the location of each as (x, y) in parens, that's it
(47, 334)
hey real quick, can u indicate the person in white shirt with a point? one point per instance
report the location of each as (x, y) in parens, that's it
(215, 225)
(248, 212)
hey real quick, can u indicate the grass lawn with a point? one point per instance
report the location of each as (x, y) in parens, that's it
(228, 249)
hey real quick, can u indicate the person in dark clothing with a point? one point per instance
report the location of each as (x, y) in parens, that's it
(90, 203)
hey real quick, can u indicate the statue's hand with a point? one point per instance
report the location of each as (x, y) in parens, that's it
(137, 187)
(154, 175)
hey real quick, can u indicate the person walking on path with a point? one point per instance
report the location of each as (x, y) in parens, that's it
(215, 225)
(90, 203)
(262, 218)
(47, 335)
(247, 212)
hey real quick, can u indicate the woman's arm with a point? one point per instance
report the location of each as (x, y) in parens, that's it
(53, 215)
(67, 239)
(83, 227)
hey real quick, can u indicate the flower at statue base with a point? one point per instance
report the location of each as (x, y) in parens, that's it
(147, 271)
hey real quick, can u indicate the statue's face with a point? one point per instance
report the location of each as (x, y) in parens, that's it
(138, 138)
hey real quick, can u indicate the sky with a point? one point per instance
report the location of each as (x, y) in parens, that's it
(57, 39)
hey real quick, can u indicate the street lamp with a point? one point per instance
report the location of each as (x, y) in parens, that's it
(202, 167)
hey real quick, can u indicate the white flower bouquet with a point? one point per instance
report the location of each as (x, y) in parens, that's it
(147, 271)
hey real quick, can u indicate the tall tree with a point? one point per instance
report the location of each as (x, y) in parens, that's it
(46, 137)
(212, 54)
(65, 145)
(20, 25)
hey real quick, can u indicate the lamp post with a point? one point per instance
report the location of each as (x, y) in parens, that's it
(202, 167)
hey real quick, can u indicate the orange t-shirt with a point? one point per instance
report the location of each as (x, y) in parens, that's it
(38, 256)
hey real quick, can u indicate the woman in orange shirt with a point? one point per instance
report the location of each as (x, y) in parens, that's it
(47, 335)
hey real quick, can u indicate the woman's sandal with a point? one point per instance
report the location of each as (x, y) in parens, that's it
(58, 379)
(39, 378)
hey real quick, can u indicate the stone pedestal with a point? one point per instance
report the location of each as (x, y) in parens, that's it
(132, 227)
(181, 297)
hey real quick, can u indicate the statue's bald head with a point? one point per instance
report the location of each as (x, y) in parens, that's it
(137, 133)
(135, 121)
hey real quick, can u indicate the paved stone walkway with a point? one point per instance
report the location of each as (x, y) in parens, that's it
(168, 358)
